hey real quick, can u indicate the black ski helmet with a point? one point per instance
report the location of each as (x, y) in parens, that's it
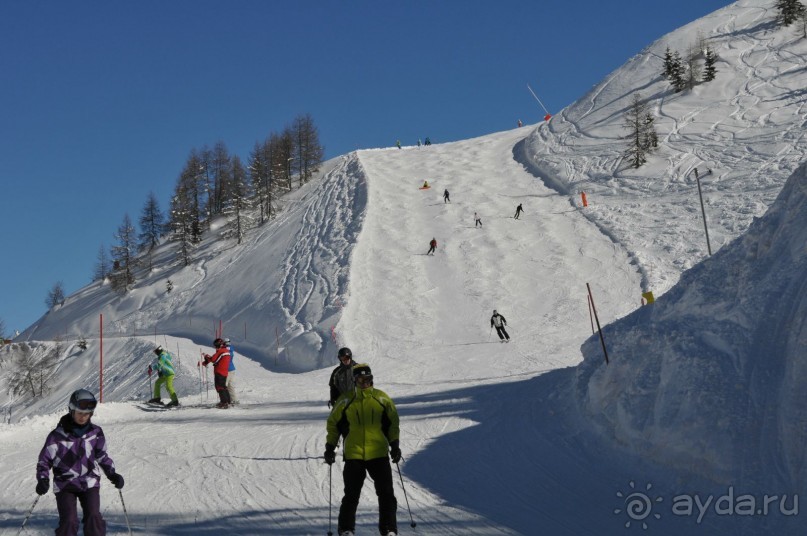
(345, 352)
(218, 343)
(158, 350)
(362, 370)
(82, 401)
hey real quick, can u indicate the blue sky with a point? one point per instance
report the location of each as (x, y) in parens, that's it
(100, 103)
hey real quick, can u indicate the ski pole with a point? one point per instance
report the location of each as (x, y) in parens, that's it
(31, 511)
(125, 513)
(412, 521)
(330, 500)
(490, 334)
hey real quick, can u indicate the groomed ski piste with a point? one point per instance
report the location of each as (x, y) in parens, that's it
(497, 439)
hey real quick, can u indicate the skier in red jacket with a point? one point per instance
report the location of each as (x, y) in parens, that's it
(432, 246)
(221, 366)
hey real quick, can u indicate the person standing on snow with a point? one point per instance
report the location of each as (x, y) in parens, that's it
(477, 220)
(432, 246)
(367, 419)
(342, 376)
(519, 210)
(446, 199)
(498, 321)
(221, 365)
(398, 144)
(231, 374)
(76, 452)
(165, 376)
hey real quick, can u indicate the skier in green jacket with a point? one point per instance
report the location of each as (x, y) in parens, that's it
(165, 376)
(367, 419)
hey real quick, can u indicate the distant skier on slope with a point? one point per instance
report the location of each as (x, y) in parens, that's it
(341, 380)
(519, 210)
(221, 365)
(446, 198)
(477, 220)
(231, 373)
(367, 419)
(164, 366)
(498, 321)
(432, 246)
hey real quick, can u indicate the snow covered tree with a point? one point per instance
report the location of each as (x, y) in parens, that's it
(309, 151)
(32, 371)
(2, 330)
(55, 295)
(692, 71)
(709, 69)
(152, 225)
(260, 174)
(221, 176)
(182, 223)
(237, 209)
(123, 256)
(789, 11)
(641, 135)
(801, 24)
(101, 265)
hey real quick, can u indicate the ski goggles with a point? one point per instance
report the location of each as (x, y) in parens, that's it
(85, 406)
(364, 380)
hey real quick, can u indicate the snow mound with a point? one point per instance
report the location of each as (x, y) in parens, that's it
(710, 378)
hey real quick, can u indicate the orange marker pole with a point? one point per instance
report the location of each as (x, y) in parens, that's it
(583, 197)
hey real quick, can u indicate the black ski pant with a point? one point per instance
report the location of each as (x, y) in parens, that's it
(354, 474)
(431, 250)
(94, 524)
(221, 388)
(502, 333)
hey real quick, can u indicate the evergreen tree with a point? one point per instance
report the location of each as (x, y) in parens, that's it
(55, 295)
(677, 73)
(152, 225)
(669, 65)
(789, 11)
(2, 330)
(641, 135)
(709, 69)
(123, 256)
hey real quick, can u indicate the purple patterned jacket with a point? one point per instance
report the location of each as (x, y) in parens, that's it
(75, 460)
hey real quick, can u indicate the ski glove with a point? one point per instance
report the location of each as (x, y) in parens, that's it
(116, 479)
(330, 454)
(42, 486)
(395, 452)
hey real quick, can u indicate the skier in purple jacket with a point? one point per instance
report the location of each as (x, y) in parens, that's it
(75, 451)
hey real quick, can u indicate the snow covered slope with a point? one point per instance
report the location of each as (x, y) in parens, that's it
(747, 126)
(498, 438)
(711, 377)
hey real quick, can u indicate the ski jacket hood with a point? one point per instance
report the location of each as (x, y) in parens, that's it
(368, 421)
(75, 460)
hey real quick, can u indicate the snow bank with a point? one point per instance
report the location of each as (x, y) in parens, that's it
(710, 378)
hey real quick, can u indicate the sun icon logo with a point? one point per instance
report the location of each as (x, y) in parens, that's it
(638, 505)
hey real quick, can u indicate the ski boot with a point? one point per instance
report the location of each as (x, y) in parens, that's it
(156, 402)
(174, 402)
